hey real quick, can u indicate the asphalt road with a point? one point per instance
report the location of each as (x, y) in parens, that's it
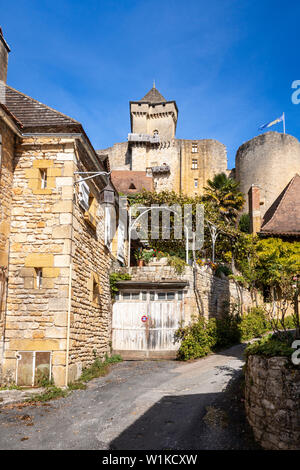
(149, 405)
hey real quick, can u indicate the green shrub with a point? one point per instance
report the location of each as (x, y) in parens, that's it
(204, 336)
(114, 278)
(271, 345)
(253, 324)
(177, 263)
(51, 393)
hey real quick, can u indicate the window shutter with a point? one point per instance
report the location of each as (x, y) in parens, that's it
(84, 194)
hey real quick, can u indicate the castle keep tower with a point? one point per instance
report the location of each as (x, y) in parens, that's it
(268, 162)
(153, 151)
(154, 115)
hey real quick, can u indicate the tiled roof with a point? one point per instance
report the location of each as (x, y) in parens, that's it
(153, 96)
(284, 214)
(130, 182)
(31, 113)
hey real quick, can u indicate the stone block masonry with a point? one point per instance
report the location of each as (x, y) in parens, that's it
(52, 249)
(272, 392)
(6, 193)
(211, 297)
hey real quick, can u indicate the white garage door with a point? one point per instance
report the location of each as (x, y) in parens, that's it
(144, 323)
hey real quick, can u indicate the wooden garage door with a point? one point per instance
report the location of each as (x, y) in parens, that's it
(146, 322)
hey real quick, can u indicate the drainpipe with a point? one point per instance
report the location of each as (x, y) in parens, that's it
(68, 325)
(70, 285)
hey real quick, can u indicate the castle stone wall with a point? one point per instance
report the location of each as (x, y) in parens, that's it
(270, 161)
(272, 392)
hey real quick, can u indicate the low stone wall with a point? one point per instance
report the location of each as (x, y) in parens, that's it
(272, 402)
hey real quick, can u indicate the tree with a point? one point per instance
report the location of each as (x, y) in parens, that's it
(223, 194)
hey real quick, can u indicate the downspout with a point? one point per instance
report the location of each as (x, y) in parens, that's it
(70, 287)
(68, 324)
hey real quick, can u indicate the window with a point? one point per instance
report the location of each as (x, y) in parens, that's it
(194, 164)
(96, 292)
(43, 175)
(135, 296)
(155, 133)
(144, 295)
(194, 148)
(170, 295)
(39, 278)
(161, 296)
(179, 295)
(84, 193)
(152, 295)
(195, 183)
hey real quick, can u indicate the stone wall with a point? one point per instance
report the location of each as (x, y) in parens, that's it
(6, 177)
(51, 233)
(90, 332)
(40, 228)
(211, 157)
(272, 402)
(212, 295)
(119, 156)
(270, 161)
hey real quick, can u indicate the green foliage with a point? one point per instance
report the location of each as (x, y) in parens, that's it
(77, 386)
(51, 393)
(195, 341)
(222, 268)
(244, 223)
(224, 195)
(171, 246)
(114, 278)
(10, 387)
(98, 368)
(42, 378)
(270, 346)
(113, 359)
(204, 336)
(254, 324)
(177, 263)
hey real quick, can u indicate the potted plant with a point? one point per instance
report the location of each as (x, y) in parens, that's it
(139, 257)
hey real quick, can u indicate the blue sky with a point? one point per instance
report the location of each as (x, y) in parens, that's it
(229, 64)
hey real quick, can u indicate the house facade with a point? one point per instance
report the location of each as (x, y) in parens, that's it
(55, 252)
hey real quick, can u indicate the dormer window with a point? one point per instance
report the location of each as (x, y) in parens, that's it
(155, 133)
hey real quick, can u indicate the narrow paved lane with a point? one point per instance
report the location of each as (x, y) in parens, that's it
(142, 405)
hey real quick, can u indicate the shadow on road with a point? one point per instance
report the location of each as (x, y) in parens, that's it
(192, 422)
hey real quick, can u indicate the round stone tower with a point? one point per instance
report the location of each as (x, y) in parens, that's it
(270, 161)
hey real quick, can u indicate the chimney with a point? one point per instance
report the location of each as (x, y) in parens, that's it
(4, 50)
(254, 208)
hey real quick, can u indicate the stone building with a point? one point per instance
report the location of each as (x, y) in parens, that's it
(181, 165)
(55, 247)
(267, 169)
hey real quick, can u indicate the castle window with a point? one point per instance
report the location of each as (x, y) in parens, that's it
(194, 164)
(43, 175)
(194, 148)
(132, 186)
(196, 183)
(39, 278)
